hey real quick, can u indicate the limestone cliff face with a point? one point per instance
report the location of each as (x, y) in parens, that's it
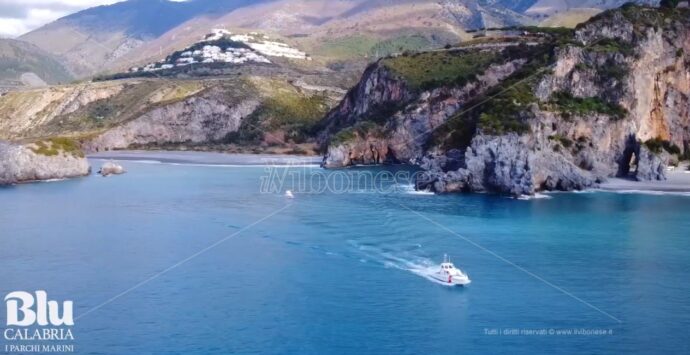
(204, 118)
(414, 118)
(22, 111)
(19, 163)
(82, 109)
(153, 112)
(635, 58)
(378, 90)
(653, 87)
(612, 90)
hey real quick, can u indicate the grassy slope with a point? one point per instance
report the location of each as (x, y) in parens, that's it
(432, 69)
(99, 115)
(58, 145)
(371, 46)
(286, 111)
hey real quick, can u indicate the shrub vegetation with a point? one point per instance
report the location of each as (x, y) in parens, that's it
(569, 105)
(425, 71)
(657, 144)
(54, 146)
(361, 129)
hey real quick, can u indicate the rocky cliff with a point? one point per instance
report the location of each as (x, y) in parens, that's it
(610, 98)
(44, 160)
(248, 111)
(26, 113)
(208, 117)
(384, 120)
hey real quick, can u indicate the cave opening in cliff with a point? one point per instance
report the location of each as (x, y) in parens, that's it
(628, 162)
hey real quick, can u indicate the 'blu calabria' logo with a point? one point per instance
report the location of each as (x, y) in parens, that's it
(36, 310)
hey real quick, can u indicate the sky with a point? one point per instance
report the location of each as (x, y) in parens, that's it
(20, 16)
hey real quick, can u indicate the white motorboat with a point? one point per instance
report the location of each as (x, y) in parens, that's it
(289, 194)
(449, 274)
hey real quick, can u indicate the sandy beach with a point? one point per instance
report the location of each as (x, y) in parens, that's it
(210, 158)
(678, 180)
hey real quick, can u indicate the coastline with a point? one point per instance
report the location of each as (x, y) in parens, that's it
(206, 158)
(678, 179)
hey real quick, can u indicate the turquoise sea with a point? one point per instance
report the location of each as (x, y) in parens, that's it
(196, 259)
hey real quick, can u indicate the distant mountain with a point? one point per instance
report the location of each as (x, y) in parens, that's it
(144, 19)
(550, 7)
(569, 18)
(114, 37)
(23, 64)
(104, 38)
(88, 41)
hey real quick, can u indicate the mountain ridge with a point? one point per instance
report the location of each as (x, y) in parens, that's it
(23, 64)
(112, 37)
(90, 40)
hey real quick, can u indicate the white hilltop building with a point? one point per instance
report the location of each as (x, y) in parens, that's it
(260, 47)
(260, 43)
(214, 54)
(277, 49)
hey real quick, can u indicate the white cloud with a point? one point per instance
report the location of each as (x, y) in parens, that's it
(20, 16)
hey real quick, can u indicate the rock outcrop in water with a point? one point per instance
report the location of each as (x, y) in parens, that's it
(20, 163)
(611, 98)
(110, 168)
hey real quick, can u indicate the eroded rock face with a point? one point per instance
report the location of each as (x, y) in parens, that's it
(360, 152)
(650, 166)
(198, 119)
(655, 91)
(493, 164)
(501, 164)
(378, 89)
(411, 126)
(647, 77)
(19, 163)
(33, 108)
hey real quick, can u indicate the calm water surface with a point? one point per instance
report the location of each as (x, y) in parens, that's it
(343, 273)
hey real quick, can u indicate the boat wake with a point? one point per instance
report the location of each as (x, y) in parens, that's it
(369, 254)
(417, 265)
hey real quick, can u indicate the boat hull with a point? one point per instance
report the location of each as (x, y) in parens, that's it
(453, 280)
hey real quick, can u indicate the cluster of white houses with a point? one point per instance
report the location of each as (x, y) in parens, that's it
(259, 47)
